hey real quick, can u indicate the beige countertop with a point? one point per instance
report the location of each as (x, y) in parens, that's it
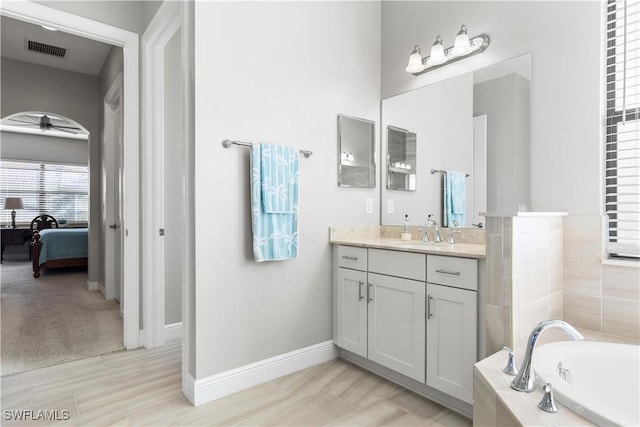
(463, 250)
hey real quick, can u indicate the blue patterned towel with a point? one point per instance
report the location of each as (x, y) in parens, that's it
(275, 235)
(279, 172)
(454, 198)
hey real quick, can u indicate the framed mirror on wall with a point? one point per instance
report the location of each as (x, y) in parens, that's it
(401, 159)
(476, 123)
(356, 152)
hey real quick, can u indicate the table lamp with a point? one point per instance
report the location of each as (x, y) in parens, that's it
(13, 203)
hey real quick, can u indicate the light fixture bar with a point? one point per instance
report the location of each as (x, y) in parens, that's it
(478, 45)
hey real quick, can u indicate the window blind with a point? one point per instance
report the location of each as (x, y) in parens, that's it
(61, 191)
(622, 130)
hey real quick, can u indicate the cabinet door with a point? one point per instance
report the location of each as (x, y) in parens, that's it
(397, 324)
(351, 305)
(451, 340)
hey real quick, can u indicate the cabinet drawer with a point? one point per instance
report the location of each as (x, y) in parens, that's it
(399, 264)
(452, 271)
(352, 257)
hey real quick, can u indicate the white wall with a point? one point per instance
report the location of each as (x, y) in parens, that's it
(442, 117)
(174, 198)
(565, 97)
(21, 146)
(31, 87)
(507, 140)
(129, 15)
(281, 73)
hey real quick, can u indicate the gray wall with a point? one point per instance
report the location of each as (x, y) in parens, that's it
(173, 187)
(505, 101)
(129, 15)
(112, 67)
(284, 75)
(31, 87)
(21, 146)
(565, 109)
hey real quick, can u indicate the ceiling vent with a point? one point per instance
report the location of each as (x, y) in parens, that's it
(47, 49)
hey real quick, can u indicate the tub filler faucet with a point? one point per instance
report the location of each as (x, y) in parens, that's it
(525, 381)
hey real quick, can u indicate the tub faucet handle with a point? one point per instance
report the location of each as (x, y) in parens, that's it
(547, 403)
(510, 369)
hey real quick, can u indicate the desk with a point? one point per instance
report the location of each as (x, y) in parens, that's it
(14, 236)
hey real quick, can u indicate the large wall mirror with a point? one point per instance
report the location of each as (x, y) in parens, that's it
(356, 152)
(477, 124)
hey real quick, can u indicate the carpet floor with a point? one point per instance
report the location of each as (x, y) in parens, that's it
(53, 319)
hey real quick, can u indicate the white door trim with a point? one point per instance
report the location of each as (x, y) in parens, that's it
(42, 15)
(166, 22)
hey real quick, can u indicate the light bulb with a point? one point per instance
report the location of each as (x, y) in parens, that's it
(415, 64)
(437, 53)
(461, 45)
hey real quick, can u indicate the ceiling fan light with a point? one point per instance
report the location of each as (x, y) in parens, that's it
(415, 64)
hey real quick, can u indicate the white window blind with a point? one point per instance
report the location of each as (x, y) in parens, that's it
(622, 155)
(61, 191)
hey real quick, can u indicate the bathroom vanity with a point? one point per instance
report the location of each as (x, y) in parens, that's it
(408, 311)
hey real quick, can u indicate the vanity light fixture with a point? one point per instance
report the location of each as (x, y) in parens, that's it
(439, 56)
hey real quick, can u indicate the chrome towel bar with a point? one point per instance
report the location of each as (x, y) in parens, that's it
(228, 143)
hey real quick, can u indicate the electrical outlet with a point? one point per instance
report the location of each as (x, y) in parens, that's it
(390, 206)
(368, 206)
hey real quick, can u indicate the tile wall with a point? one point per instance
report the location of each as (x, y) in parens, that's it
(600, 296)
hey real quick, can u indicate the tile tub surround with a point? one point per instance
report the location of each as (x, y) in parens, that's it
(597, 294)
(367, 237)
(495, 403)
(524, 274)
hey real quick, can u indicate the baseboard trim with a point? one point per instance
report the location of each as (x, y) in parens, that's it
(205, 390)
(93, 285)
(173, 331)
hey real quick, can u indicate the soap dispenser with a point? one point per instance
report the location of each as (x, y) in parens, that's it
(406, 234)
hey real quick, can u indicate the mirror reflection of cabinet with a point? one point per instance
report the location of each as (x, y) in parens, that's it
(401, 159)
(356, 152)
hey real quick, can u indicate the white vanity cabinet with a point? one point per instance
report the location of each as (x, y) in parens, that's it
(452, 324)
(350, 295)
(413, 313)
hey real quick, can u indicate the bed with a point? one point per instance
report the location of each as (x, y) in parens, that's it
(59, 247)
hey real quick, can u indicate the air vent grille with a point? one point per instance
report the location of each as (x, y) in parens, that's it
(47, 49)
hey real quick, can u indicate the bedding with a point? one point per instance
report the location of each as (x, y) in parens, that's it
(63, 243)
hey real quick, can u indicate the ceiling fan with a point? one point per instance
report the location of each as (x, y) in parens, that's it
(45, 123)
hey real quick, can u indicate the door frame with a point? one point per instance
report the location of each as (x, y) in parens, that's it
(166, 22)
(42, 15)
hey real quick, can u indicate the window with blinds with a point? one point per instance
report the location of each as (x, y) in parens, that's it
(622, 155)
(61, 191)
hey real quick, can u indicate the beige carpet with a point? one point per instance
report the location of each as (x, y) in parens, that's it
(53, 319)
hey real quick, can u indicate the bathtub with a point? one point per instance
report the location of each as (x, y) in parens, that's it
(602, 383)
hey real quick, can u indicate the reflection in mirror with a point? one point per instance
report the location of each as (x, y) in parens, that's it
(356, 148)
(476, 123)
(401, 159)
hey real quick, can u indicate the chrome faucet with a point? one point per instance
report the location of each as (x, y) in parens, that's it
(452, 231)
(432, 223)
(524, 381)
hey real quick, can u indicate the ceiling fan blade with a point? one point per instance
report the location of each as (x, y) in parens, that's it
(65, 127)
(24, 121)
(62, 130)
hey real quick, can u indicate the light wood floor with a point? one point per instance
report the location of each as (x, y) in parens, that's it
(143, 387)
